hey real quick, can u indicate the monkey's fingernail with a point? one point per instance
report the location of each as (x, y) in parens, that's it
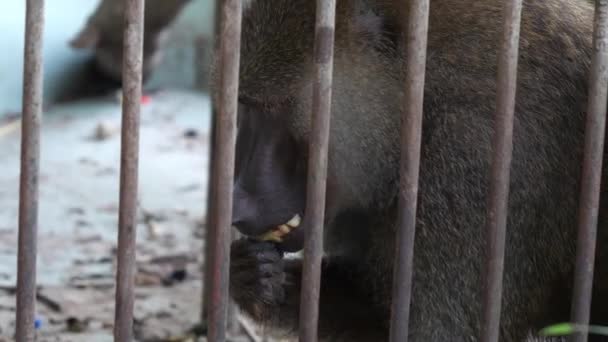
(295, 221)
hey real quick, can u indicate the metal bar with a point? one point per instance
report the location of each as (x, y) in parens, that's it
(411, 131)
(209, 227)
(500, 175)
(30, 167)
(230, 45)
(127, 223)
(210, 223)
(592, 171)
(317, 168)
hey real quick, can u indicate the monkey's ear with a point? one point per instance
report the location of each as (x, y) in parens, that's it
(87, 38)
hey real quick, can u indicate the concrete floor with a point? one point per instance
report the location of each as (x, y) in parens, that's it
(78, 213)
(78, 216)
(79, 178)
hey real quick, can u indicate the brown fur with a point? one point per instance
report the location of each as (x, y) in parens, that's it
(275, 85)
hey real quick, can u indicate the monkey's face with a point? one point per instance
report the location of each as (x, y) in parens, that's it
(270, 178)
(270, 167)
(275, 108)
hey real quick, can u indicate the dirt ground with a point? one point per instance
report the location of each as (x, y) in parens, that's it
(78, 220)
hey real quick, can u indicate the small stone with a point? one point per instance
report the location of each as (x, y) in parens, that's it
(191, 133)
(104, 131)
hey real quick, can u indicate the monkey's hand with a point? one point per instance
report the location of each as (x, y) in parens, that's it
(267, 288)
(259, 282)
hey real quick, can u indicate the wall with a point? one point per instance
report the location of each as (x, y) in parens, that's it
(64, 18)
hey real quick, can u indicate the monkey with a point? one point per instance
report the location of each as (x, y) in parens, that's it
(361, 212)
(103, 35)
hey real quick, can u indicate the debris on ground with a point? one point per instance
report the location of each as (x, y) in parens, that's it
(191, 133)
(79, 203)
(105, 130)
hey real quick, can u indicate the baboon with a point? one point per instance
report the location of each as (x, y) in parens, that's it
(103, 35)
(276, 75)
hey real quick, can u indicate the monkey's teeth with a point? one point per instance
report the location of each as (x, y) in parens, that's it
(273, 235)
(284, 229)
(279, 232)
(295, 221)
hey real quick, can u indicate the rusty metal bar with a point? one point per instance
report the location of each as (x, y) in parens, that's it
(411, 131)
(498, 196)
(30, 167)
(223, 166)
(209, 228)
(317, 168)
(209, 224)
(127, 223)
(592, 172)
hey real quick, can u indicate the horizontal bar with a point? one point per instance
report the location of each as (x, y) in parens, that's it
(223, 166)
(127, 224)
(411, 131)
(30, 170)
(592, 172)
(317, 169)
(498, 196)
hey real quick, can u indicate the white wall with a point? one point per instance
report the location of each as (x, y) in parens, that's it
(64, 18)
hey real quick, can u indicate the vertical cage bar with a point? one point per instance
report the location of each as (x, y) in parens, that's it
(209, 228)
(209, 222)
(411, 131)
(223, 174)
(30, 167)
(127, 223)
(317, 168)
(498, 196)
(592, 171)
